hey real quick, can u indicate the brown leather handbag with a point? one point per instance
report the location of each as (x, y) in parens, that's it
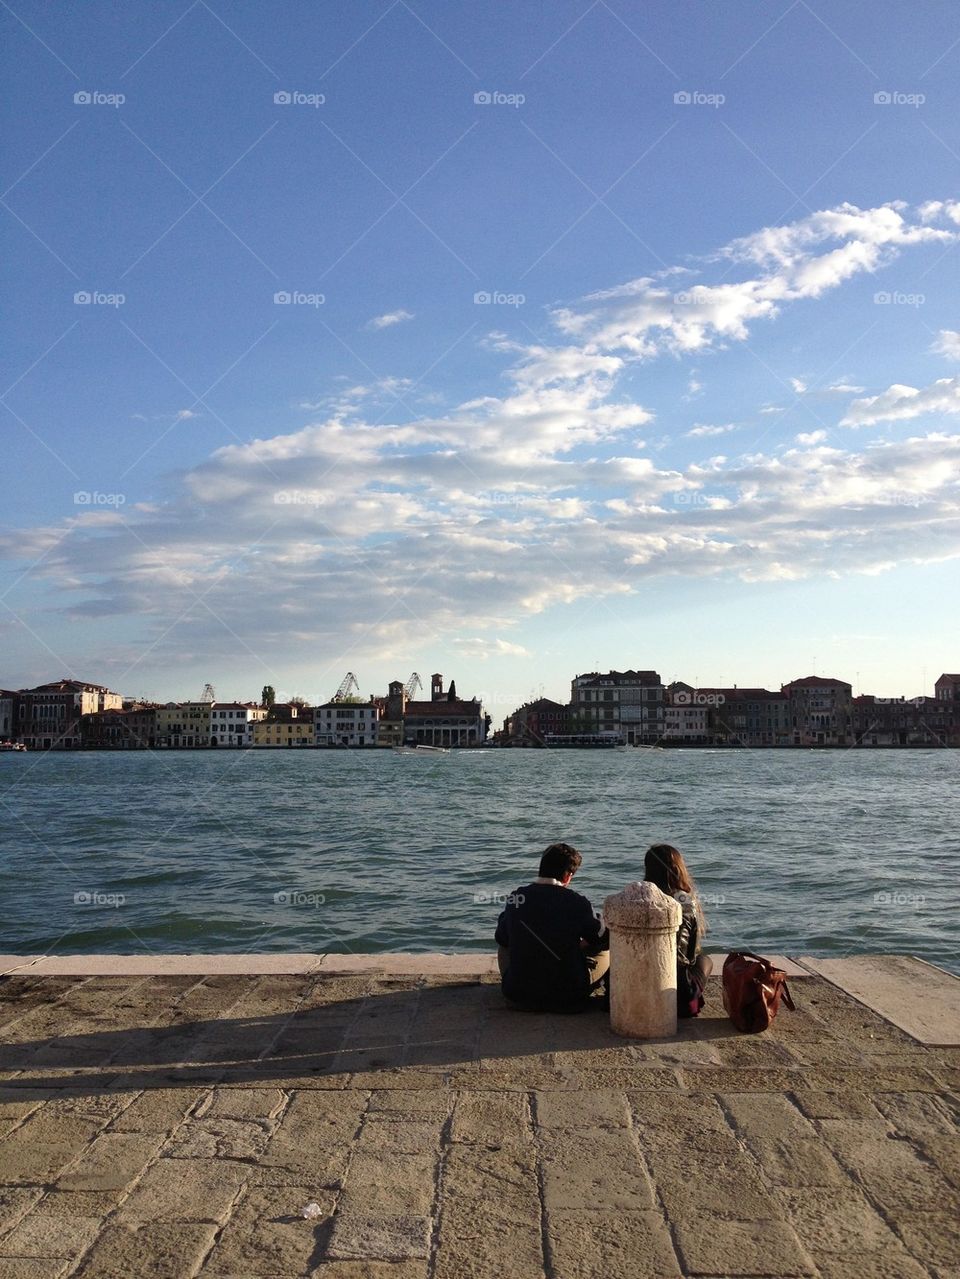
(752, 990)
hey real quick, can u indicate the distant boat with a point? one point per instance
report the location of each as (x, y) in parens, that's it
(421, 750)
(12, 746)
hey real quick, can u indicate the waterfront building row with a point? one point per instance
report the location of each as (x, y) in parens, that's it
(635, 708)
(632, 708)
(70, 714)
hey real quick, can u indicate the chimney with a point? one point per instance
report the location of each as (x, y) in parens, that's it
(436, 688)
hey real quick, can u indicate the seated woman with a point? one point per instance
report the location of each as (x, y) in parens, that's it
(664, 866)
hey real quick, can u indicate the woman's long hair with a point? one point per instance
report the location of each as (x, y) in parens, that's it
(664, 866)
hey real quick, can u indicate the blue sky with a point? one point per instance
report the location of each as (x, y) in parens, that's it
(617, 335)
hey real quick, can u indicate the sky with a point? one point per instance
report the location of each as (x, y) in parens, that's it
(504, 341)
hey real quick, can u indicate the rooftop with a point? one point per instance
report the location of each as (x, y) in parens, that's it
(172, 1115)
(441, 708)
(817, 681)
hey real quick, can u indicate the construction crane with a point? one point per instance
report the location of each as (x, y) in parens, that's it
(412, 684)
(208, 694)
(347, 684)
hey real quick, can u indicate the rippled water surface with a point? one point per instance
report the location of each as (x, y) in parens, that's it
(826, 853)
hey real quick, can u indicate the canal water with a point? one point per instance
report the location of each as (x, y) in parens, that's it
(804, 852)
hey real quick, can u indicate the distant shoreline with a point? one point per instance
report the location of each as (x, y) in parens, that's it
(479, 749)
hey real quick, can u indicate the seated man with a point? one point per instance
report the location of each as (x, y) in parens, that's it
(552, 948)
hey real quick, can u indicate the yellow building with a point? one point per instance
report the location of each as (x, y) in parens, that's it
(285, 725)
(183, 724)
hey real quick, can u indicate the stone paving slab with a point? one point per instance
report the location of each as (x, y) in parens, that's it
(919, 998)
(177, 1126)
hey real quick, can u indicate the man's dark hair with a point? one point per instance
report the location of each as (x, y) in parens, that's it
(559, 860)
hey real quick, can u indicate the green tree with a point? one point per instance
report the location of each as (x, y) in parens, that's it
(268, 695)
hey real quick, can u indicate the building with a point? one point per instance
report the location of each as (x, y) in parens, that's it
(48, 717)
(390, 719)
(532, 723)
(901, 721)
(7, 704)
(687, 715)
(286, 724)
(750, 716)
(347, 723)
(183, 724)
(132, 728)
(947, 689)
(820, 711)
(625, 705)
(231, 723)
(446, 720)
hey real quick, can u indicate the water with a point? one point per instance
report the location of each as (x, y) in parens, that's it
(820, 853)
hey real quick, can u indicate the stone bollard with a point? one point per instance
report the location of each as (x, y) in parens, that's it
(643, 923)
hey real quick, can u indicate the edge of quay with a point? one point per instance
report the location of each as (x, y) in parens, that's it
(918, 997)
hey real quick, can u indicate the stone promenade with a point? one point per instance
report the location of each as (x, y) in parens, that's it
(175, 1124)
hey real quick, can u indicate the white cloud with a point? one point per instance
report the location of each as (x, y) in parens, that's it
(843, 388)
(700, 430)
(947, 344)
(390, 533)
(798, 386)
(390, 319)
(802, 260)
(809, 438)
(480, 647)
(900, 403)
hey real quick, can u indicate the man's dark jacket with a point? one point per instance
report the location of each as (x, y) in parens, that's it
(542, 927)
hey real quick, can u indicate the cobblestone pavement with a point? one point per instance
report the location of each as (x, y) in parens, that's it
(176, 1126)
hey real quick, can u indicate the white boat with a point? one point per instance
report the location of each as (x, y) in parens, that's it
(12, 746)
(421, 750)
